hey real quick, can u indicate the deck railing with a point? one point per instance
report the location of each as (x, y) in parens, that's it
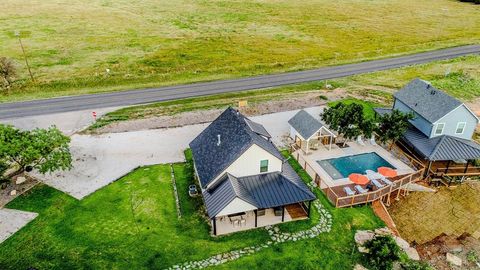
(345, 201)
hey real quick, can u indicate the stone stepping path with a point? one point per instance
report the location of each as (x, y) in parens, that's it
(13, 220)
(324, 225)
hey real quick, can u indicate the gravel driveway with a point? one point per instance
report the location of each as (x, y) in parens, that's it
(101, 159)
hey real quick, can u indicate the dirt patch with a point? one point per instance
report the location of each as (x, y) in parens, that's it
(284, 103)
(422, 216)
(466, 247)
(5, 196)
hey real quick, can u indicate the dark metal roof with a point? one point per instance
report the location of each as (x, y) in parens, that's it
(443, 147)
(429, 102)
(262, 191)
(305, 124)
(383, 111)
(236, 137)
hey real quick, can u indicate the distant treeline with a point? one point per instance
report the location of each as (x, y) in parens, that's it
(471, 1)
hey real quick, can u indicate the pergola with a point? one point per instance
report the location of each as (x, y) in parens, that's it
(304, 128)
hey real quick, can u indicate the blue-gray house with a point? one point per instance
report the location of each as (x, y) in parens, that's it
(441, 131)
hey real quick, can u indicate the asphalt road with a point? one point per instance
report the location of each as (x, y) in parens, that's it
(143, 96)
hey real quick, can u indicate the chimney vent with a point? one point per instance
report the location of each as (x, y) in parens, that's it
(219, 140)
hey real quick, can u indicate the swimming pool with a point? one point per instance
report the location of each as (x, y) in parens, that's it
(342, 167)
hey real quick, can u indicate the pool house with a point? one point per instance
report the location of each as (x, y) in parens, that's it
(309, 133)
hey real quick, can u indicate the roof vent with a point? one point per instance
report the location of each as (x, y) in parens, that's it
(219, 140)
(416, 104)
(428, 86)
(432, 92)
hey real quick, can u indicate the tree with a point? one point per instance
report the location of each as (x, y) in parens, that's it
(7, 72)
(392, 126)
(346, 119)
(383, 251)
(43, 149)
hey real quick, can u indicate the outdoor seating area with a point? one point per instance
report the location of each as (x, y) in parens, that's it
(249, 220)
(358, 188)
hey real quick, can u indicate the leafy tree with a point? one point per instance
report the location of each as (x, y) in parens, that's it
(43, 149)
(368, 126)
(383, 251)
(392, 126)
(7, 72)
(347, 119)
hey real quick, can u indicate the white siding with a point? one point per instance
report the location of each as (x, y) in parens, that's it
(249, 163)
(236, 206)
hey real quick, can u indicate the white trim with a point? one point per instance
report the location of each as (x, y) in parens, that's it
(463, 129)
(436, 127)
(468, 109)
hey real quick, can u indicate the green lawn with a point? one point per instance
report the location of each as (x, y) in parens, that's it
(151, 43)
(368, 111)
(459, 77)
(132, 224)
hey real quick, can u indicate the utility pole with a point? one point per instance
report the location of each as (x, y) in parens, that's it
(17, 34)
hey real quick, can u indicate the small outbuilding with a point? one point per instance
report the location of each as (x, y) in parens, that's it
(308, 132)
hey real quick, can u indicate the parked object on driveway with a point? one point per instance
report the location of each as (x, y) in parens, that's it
(192, 190)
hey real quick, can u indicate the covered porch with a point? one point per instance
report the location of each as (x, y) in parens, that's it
(259, 218)
(444, 157)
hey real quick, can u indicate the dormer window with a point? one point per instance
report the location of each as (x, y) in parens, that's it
(264, 165)
(439, 128)
(460, 128)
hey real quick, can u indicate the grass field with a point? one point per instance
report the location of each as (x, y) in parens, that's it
(459, 77)
(132, 224)
(151, 43)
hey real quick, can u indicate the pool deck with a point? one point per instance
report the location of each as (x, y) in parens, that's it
(334, 189)
(354, 149)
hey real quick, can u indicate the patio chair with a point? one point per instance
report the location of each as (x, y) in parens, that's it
(386, 181)
(359, 141)
(377, 184)
(372, 140)
(236, 222)
(360, 189)
(349, 191)
(243, 221)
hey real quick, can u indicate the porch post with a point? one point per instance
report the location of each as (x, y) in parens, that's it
(309, 207)
(466, 167)
(448, 165)
(283, 213)
(255, 211)
(306, 149)
(331, 139)
(214, 226)
(427, 171)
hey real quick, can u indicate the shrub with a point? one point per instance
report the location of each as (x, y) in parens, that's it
(414, 265)
(383, 251)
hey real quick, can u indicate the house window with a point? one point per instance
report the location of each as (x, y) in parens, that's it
(439, 129)
(264, 165)
(460, 128)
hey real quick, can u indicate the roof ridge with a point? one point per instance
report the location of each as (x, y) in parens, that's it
(437, 145)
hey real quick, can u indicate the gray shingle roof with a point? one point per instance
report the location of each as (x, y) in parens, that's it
(262, 191)
(236, 137)
(429, 102)
(383, 111)
(443, 147)
(305, 124)
(257, 128)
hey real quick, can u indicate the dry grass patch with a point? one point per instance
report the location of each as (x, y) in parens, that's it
(422, 216)
(151, 43)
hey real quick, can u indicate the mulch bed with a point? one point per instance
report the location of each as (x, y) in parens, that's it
(5, 196)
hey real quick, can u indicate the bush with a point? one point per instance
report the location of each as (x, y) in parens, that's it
(383, 251)
(414, 265)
